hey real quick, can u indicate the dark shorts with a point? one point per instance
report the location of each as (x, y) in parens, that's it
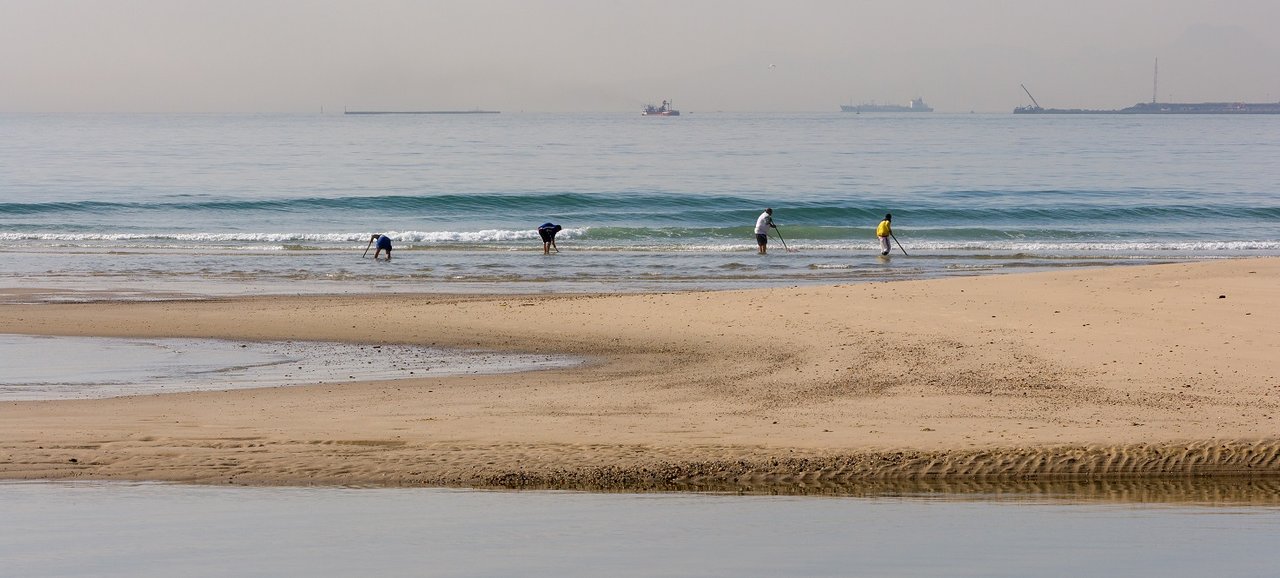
(762, 239)
(384, 243)
(548, 235)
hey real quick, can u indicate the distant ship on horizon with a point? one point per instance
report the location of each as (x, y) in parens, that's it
(472, 111)
(665, 110)
(916, 105)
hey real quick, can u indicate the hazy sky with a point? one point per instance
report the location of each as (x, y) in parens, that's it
(598, 55)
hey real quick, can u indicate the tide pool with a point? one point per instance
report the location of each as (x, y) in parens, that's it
(38, 367)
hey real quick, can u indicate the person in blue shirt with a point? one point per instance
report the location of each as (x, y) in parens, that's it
(548, 233)
(384, 244)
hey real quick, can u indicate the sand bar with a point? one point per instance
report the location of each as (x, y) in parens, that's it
(1109, 373)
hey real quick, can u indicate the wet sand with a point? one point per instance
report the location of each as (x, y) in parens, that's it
(1109, 373)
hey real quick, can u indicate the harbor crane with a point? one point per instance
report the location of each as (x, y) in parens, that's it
(1033, 99)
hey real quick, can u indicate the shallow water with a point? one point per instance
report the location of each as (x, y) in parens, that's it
(120, 529)
(38, 367)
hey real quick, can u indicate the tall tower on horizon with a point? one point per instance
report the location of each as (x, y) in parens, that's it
(1155, 80)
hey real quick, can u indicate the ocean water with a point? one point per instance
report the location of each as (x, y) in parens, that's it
(143, 205)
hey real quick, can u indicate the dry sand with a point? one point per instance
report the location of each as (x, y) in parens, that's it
(1102, 374)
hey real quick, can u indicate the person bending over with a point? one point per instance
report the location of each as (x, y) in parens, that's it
(384, 244)
(548, 233)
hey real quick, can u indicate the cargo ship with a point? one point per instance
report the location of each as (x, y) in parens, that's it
(473, 111)
(916, 105)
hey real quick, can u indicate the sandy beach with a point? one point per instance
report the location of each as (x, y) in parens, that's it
(1106, 373)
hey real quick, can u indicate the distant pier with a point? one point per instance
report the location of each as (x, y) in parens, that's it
(1166, 108)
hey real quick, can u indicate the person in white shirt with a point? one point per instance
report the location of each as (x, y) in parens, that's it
(762, 230)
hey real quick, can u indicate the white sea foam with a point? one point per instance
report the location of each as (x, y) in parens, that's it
(505, 237)
(190, 237)
(473, 237)
(462, 237)
(1112, 247)
(1190, 247)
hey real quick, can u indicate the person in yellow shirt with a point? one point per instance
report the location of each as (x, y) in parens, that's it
(883, 231)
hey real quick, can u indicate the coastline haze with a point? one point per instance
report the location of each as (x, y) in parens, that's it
(293, 56)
